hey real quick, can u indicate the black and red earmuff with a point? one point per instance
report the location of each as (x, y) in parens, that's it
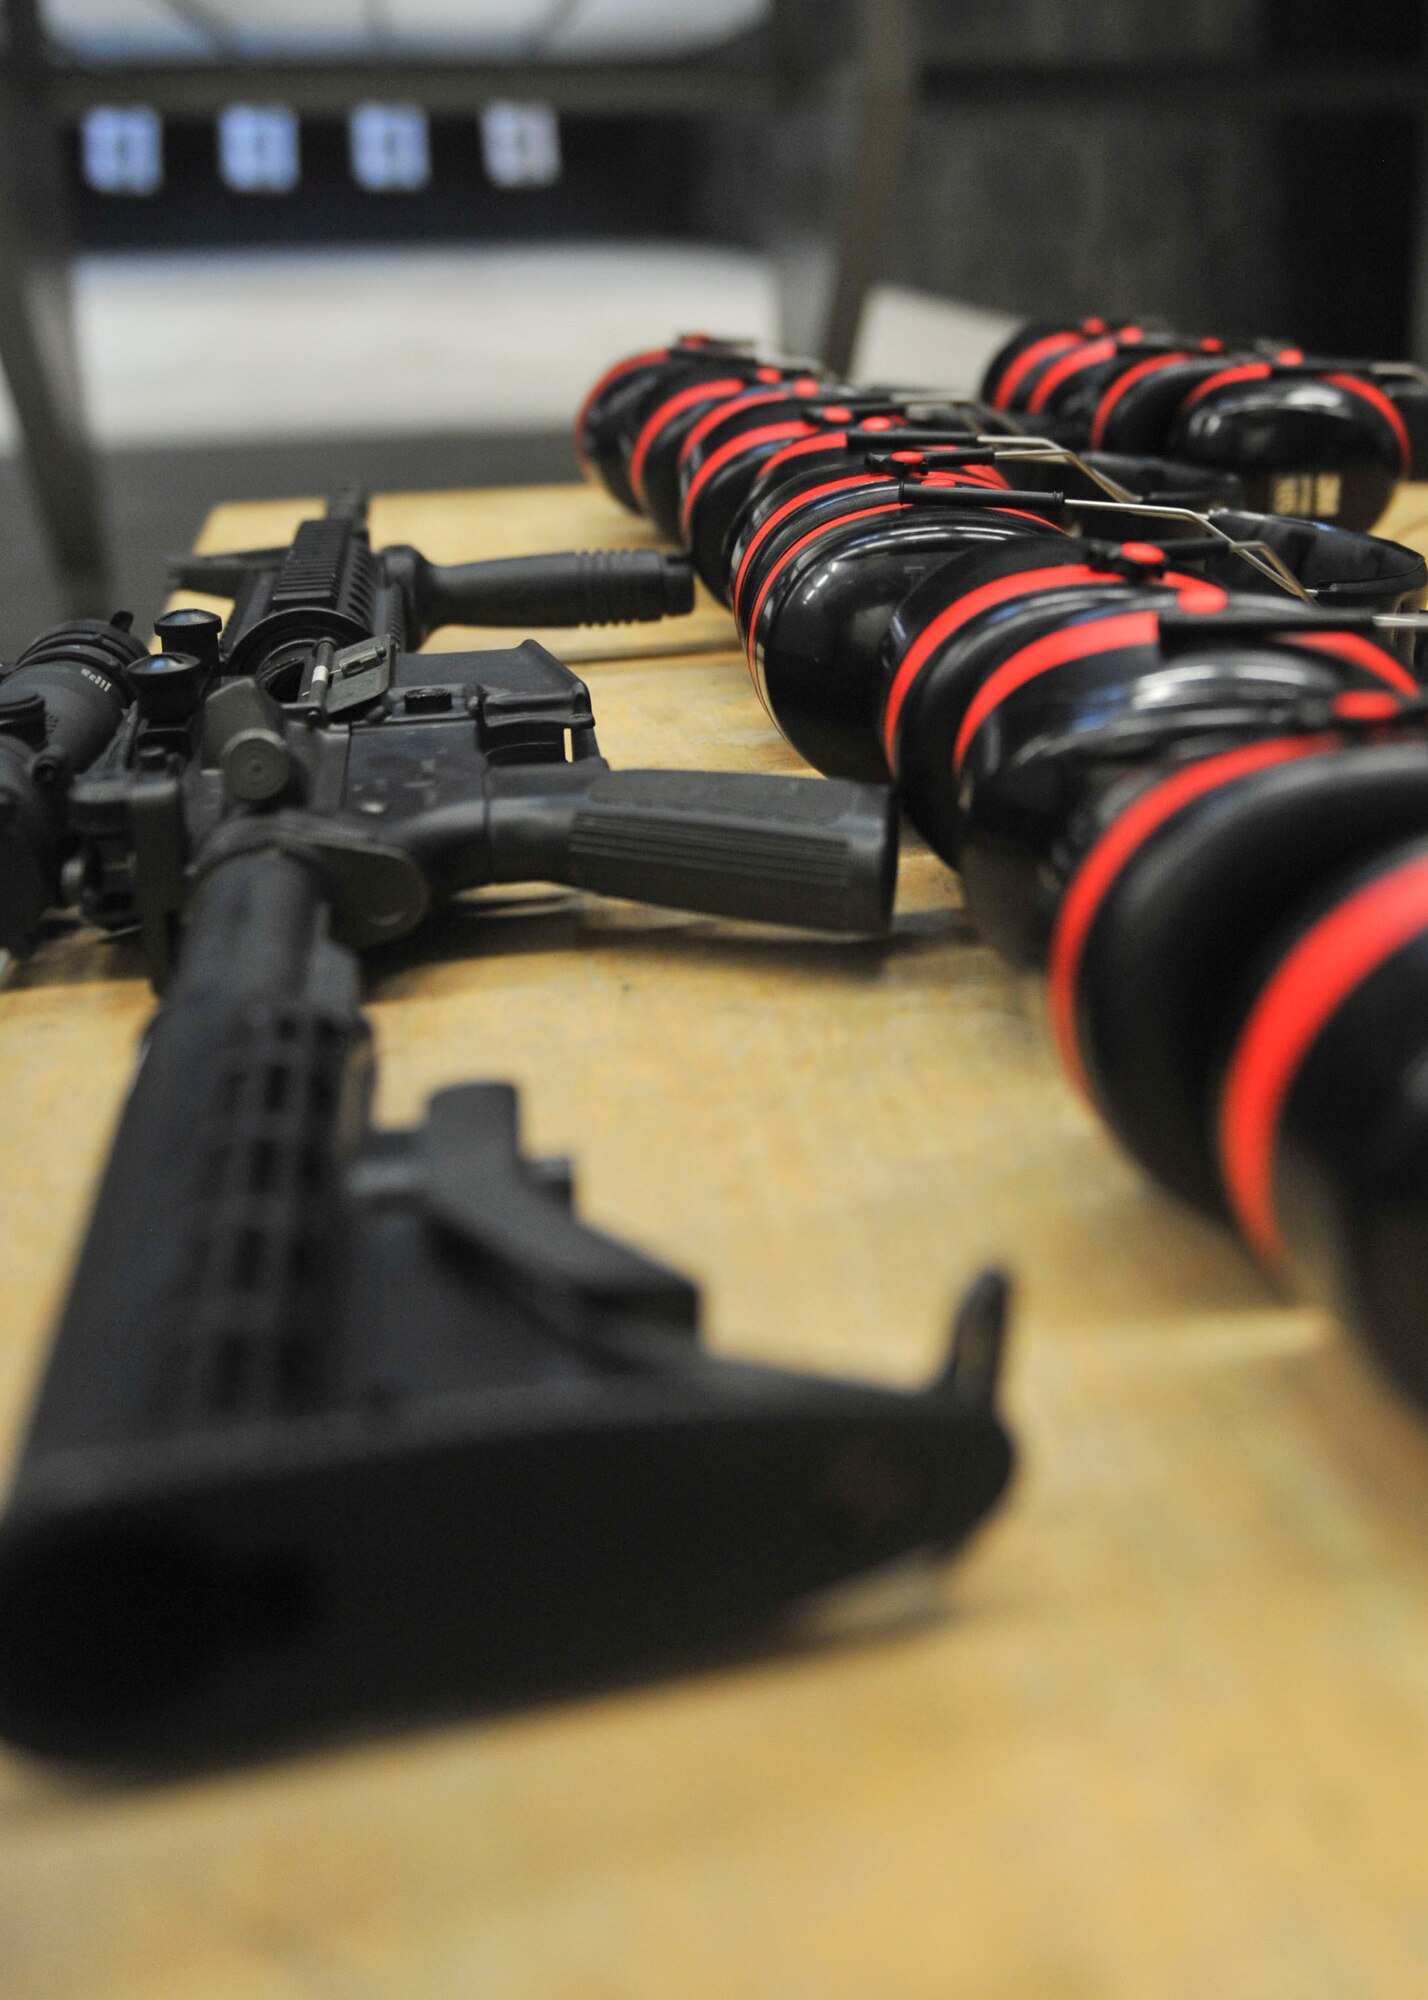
(1328, 444)
(992, 647)
(760, 447)
(1018, 370)
(961, 627)
(1136, 404)
(821, 558)
(693, 447)
(844, 441)
(1185, 874)
(613, 415)
(1321, 1117)
(633, 423)
(773, 514)
(1071, 394)
(1308, 436)
(666, 441)
(817, 597)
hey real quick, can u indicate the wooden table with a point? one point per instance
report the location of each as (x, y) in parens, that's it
(1160, 1735)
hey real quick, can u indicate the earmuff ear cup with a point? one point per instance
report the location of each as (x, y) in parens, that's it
(654, 462)
(610, 414)
(1321, 1117)
(821, 613)
(768, 528)
(1050, 335)
(1138, 408)
(1301, 445)
(952, 632)
(1068, 391)
(1163, 961)
(616, 409)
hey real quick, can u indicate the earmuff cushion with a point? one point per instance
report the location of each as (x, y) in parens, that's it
(1343, 567)
(1163, 481)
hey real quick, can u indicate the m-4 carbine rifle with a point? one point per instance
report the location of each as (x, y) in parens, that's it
(63, 699)
(343, 1424)
(307, 724)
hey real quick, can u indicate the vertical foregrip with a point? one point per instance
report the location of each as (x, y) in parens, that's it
(580, 587)
(203, 1288)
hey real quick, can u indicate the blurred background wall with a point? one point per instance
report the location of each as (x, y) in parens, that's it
(428, 313)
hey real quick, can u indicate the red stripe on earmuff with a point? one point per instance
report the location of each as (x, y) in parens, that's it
(1103, 864)
(961, 475)
(1000, 591)
(942, 480)
(794, 506)
(1307, 988)
(1387, 409)
(1118, 388)
(734, 448)
(604, 381)
(1245, 371)
(823, 528)
(669, 409)
(1053, 649)
(1356, 651)
(1040, 350)
(1089, 356)
(820, 441)
(698, 432)
(1366, 705)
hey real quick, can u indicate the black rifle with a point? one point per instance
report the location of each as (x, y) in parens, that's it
(340, 1424)
(63, 700)
(404, 777)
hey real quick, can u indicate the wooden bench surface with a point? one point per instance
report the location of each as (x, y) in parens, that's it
(1159, 1736)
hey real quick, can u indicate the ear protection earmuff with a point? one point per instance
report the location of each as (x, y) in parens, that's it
(1192, 871)
(1321, 1117)
(614, 412)
(819, 594)
(1314, 437)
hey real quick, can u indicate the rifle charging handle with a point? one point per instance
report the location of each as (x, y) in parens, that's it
(243, 737)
